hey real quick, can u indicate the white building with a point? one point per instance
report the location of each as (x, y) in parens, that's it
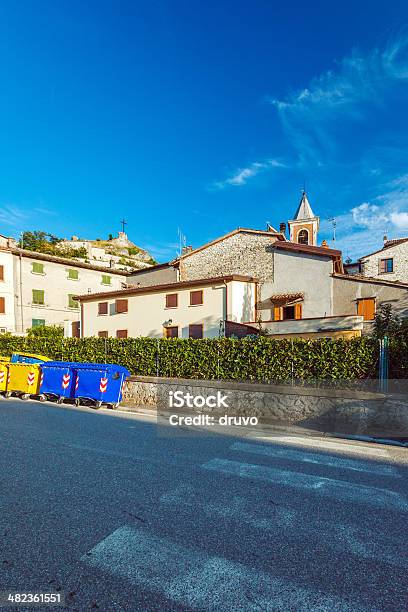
(196, 309)
(38, 289)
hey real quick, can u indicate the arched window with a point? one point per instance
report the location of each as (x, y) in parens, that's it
(303, 237)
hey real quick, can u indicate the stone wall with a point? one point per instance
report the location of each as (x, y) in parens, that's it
(399, 253)
(324, 410)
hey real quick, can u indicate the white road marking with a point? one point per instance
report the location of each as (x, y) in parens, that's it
(329, 487)
(368, 450)
(194, 579)
(317, 458)
(277, 519)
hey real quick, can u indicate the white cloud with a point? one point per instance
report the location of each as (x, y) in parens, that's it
(242, 175)
(369, 215)
(400, 220)
(12, 216)
(360, 81)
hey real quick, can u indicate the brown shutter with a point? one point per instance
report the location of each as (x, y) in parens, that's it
(196, 298)
(171, 332)
(298, 311)
(76, 329)
(171, 300)
(103, 308)
(195, 331)
(103, 334)
(277, 315)
(2, 305)
(366, 308)
(1, 273)
(122, 333)
(121, 306)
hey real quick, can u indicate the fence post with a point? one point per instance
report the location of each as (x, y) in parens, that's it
(383, 367)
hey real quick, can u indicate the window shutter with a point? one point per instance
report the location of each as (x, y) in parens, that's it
(171, 300)
(171, 332)
(298, 311)
(103, 308)
(277, 315)
(72, 303)
(122, 333)
(196, 298)
(195, 331)
(1, 273)
(73, 274)
(2, 305)
(121, 306)
(103, 334)
(38, 296)
(106, 279)
(38, 268)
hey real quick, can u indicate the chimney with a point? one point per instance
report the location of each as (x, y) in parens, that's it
(186, 249)
(385, 239)
(282, 228)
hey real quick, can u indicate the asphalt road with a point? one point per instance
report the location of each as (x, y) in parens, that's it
(117, 514)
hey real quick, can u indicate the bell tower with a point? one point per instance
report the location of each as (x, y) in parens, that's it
(304, 226)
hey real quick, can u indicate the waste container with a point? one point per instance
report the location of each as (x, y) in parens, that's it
(28, 358)
(57, 380)
(3, 375)
(100, 382)
(23, 379)
(4, 359)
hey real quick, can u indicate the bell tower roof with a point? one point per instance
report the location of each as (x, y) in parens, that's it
(304, 210)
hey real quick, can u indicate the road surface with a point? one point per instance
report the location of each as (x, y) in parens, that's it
(116, 514)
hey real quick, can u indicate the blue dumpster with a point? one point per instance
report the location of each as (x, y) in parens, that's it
(57, 380)
(101, 382)
(28, 358)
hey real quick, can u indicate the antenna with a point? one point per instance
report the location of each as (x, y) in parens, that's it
(182, 241)
(334, 225)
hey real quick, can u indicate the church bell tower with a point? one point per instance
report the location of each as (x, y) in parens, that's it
(304, 226)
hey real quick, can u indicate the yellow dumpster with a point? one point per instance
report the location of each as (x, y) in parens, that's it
(24, 379)
(3, 375)
(4, 359)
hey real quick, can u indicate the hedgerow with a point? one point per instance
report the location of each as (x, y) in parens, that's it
(260, 359)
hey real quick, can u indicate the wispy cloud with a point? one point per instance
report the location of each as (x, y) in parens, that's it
(362, 228)
(313, 116)
(242, 175)
(164, 251)
(12, 215)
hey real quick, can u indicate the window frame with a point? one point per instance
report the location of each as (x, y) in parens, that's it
(168, 295)
(202, 297)
(385, 260)
(303, 229)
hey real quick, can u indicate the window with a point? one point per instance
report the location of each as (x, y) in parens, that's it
(38, 297)
(72, 302)
(121, 306)
(37, 322)
(37, 268)
(103, 334)
(196, 298)
(171, 332)
(2, 305)
(195, 331)
(303, 237)
(76, 329)
(122, 333)
(106, 279)
(172, 300)
(1, 273)
(386, 265)
(103, 308)
(287, 313)
(366, 308)
(73, 274)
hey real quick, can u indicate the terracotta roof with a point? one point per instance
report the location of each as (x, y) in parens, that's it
(281, 297)
(387, 245)
(167, 264)
(73, 263)
(370, 279)
(239, 230)
(201, 282)
(307, 248)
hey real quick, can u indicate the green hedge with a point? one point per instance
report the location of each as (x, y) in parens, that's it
(261, 359)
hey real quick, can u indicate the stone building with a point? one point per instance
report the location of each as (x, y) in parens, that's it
(388, 263)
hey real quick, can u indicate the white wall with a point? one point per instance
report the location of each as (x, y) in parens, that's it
(56, 286)
(241, 301)
(147, 312)
(300, 272)
(7, 291)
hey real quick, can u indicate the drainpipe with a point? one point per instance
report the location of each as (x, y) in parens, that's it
(21, 293)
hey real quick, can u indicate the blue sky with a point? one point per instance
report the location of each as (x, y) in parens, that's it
(203, 116)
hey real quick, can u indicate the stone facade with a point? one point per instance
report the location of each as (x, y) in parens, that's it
(370, 265)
